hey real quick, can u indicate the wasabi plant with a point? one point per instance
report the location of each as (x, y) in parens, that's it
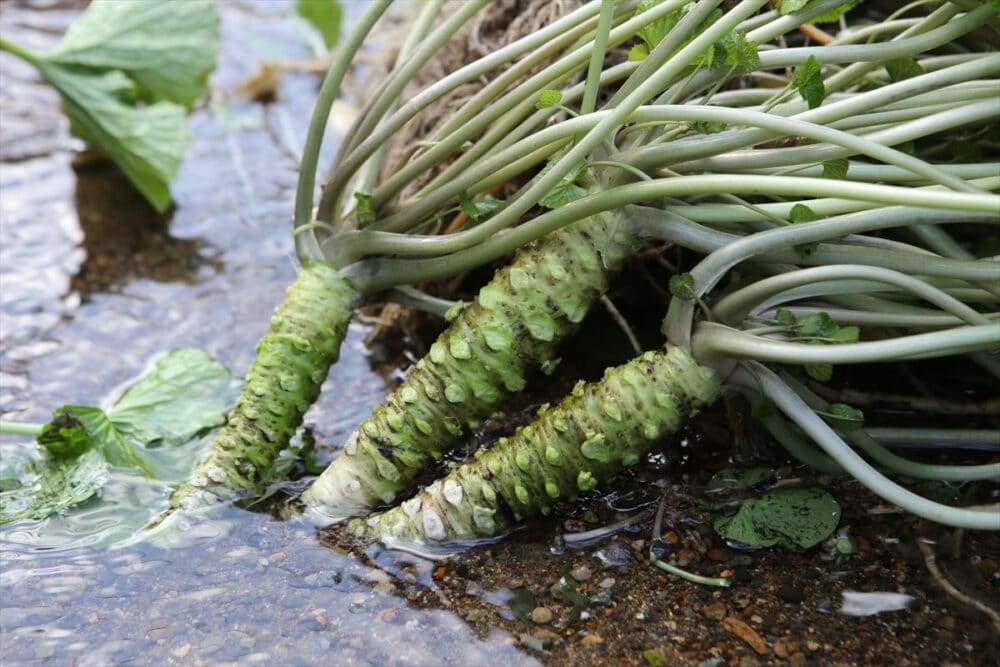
(814, 206)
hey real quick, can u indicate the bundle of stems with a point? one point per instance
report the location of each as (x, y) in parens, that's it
(673, 153)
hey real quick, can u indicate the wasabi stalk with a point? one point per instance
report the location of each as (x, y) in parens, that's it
(513, 327)
(568, 450)
(293, 359)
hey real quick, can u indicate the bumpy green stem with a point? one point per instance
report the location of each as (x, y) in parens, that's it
(569, 449)
(514, 326)
(293, 359)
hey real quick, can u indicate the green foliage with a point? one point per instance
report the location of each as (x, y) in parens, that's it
(845, 417)
(708, 127)
(836, 169)
(566, 190)
(808, 81)
(732, 50)
(638, 53)
(548, 99)
(799, 214)
(682, 286)
(59, 485)
(904, 68)
(798, 6)
(323, 15)
(821, 329)
(183, 394)
(731, 479)
(365, 210)
(479, 208)
(167, 48)
(118, 54)
(795, 519)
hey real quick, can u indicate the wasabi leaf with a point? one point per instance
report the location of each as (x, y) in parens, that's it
(566, 190)
(548, 99)
(809, 82)
(77, 429)
(366, 211)
(325, 16)
(795, 519)
(184, 393)
(168, 48)
(146, 143)
(117, 54)
(903, 68)
(836, 169)
(61, 483)
(845, 417)
(682, 286)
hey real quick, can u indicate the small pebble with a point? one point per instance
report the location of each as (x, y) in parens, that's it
(715, 611)
(581, 573)
(592, 640)
(541, 615)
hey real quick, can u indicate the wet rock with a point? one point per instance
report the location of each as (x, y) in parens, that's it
(717, 555)
(735, 626)
(715, 611)
(531, 642)
(654, 657)
(581, 573)
(592, 640)
(606, 583)
(780, 650)
(797, 660)
(712, 662)
(541, 615)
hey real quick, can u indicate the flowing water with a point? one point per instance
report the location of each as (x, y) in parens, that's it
(94, 283)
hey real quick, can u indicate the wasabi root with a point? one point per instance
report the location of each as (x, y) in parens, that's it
(513, 327)
(570, 448)
(293, 359)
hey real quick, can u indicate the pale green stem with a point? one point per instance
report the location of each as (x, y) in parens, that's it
(20, 428)
(306, 244)
(737, 306)
(715, 341)
(597, 57)
(793, 406)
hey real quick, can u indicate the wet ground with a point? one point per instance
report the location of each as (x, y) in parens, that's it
(93, 283)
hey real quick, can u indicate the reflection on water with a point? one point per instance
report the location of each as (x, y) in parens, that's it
(92, 284)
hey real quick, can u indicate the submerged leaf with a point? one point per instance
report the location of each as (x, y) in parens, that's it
(184, 393)
(77, 429)
(167, 48)
(325, 16)
(61, 483)
(791, 518)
